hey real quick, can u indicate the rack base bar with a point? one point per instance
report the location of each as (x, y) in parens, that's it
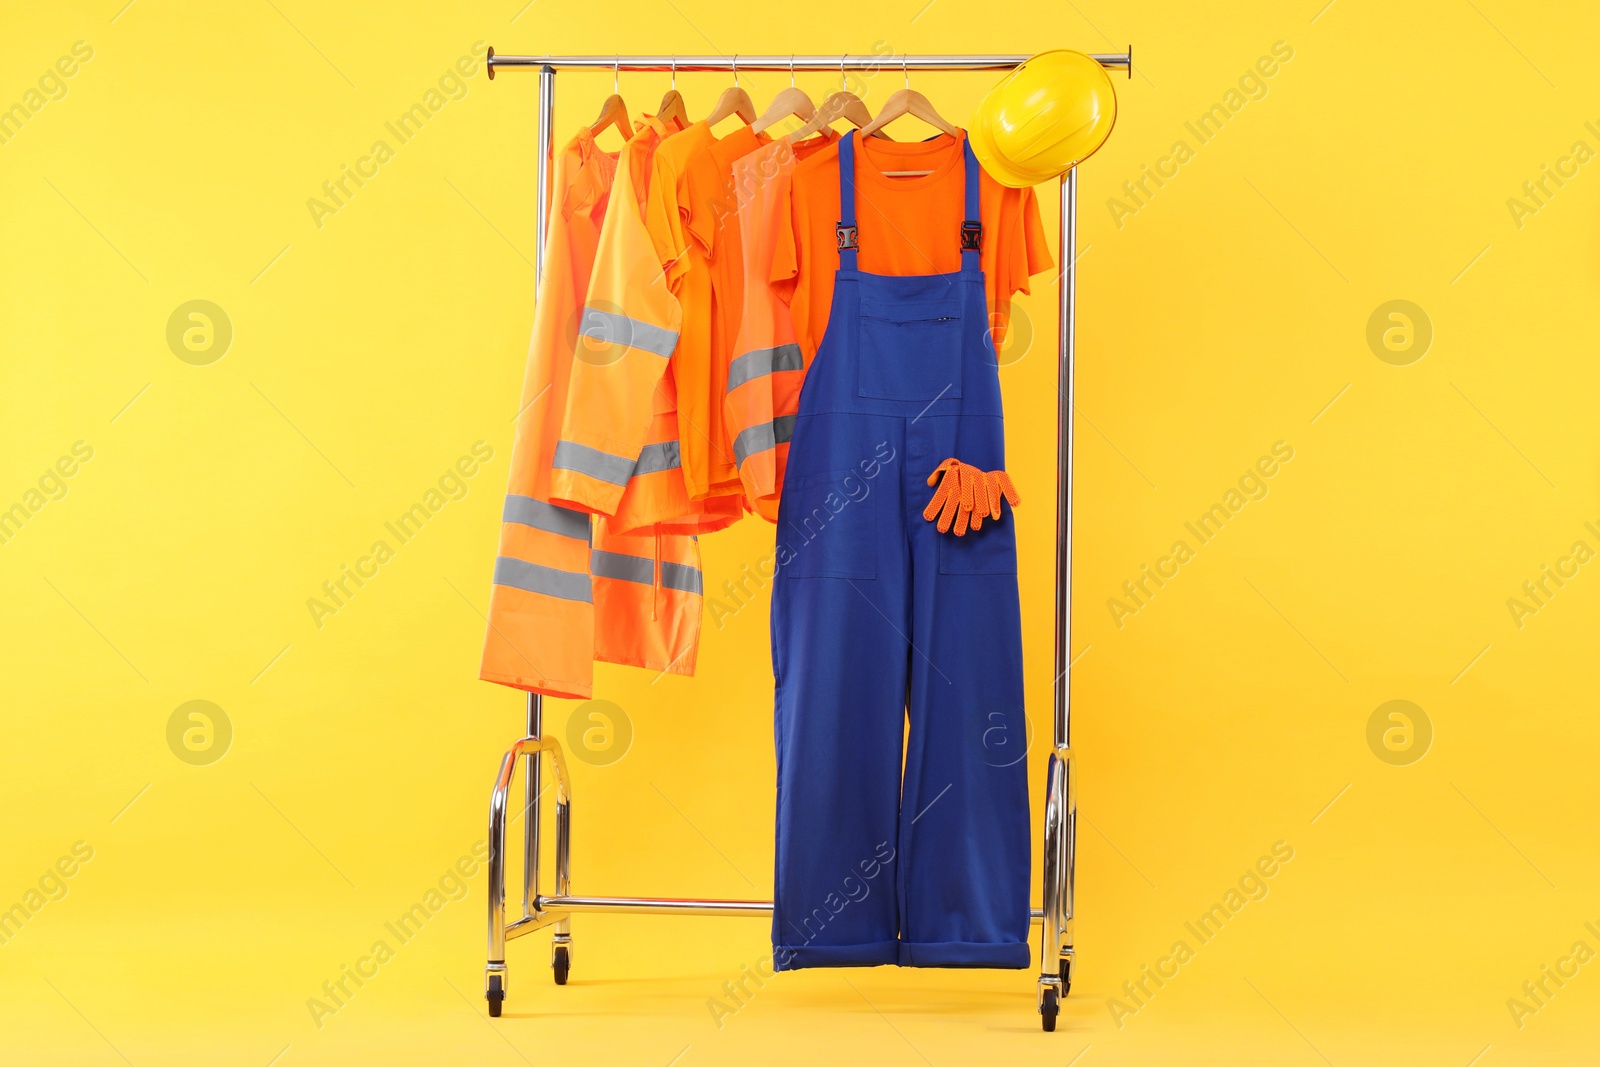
(550, 908)
(657, 905)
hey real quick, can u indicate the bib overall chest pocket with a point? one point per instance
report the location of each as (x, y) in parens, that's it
(910, 349)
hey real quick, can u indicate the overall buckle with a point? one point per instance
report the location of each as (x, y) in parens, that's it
(971, 236)
(846, 235)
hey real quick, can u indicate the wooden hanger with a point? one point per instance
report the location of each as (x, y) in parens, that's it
(909, 102)
(791, 101)
(840, 105)
(733, 101)
(672, 104)
(613, 112)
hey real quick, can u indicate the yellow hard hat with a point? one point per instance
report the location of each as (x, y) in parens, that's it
(1043, 119)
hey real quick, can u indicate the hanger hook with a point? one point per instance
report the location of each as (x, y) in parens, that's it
(674, 71)
(616, 76)
(736, 70)
(905, 68)
(791, 70)
(843, 85)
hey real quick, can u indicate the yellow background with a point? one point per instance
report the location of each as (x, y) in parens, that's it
(1226, 314)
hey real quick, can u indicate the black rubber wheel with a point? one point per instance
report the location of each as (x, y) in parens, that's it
(1066, 978)
(561, 964)
(496, 995)
(1049, 1008)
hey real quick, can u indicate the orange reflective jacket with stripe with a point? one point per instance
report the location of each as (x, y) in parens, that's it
(567, 590)
(692, 220)
(768, 368)
(619, 452)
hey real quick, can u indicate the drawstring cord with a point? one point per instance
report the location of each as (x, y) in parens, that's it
(655, 592)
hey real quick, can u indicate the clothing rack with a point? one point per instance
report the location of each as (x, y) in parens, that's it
(1060, 818)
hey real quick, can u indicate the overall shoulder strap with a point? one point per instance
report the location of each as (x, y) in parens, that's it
(846, 229)
(972, 224)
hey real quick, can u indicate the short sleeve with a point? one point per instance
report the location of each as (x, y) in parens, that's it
(664, 220)
(700, 201)
(1030, 251)
(785, 273)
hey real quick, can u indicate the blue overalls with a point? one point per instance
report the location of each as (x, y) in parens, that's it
(874, 613)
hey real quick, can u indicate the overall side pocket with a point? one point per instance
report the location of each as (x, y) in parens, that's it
(829, 527)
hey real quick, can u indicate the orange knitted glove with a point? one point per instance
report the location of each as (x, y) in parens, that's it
(966, 495)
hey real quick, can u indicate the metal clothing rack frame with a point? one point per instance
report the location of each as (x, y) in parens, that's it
(1060, 819)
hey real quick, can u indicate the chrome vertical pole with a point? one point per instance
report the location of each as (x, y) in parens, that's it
(1065, 423)
(1060, 804)
(530, 813)
(1064, 427)
(546, 149)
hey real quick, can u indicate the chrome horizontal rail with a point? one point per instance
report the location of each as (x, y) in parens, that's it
(658, 906)
(702, 64)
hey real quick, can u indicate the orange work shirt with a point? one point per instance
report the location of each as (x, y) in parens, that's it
(905, 226)
(713, 221)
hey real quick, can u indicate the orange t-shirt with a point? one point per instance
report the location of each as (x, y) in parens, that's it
(904, 226)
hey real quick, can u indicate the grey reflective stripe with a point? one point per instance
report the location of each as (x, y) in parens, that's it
(564, 585)
(681, 576)
(762, 437)
(622, 567)
(551, 518)
(608, 327)
(571, 456)
(761, 362)
(663, 456)
(641, 569)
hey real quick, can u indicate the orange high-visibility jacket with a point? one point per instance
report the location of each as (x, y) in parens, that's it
(768, 368)
(568, 591)
(694, 221)
(620, 451)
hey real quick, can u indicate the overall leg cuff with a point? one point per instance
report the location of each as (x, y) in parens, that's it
(1015, 954)
(875, 954)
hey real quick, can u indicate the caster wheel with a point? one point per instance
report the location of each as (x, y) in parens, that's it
(1066, 978)
(1049, 1008)
(561, 964)
(496, 995)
